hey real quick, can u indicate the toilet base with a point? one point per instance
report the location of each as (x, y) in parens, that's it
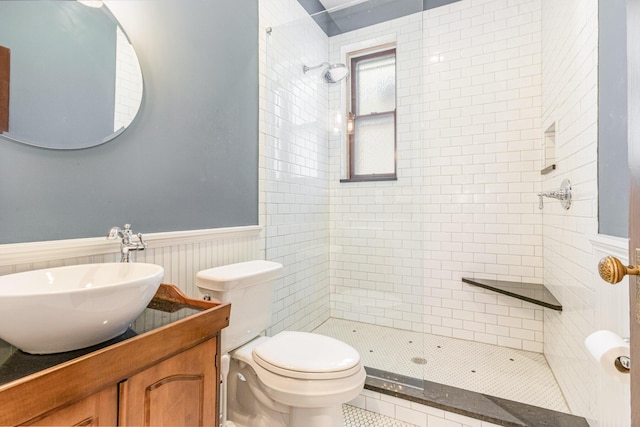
(316, 417)
(248, 406)
(312, 417)
(243, 408)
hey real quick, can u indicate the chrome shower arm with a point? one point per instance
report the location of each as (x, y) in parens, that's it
(306, 68)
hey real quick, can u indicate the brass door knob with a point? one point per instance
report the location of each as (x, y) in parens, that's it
(613, 271)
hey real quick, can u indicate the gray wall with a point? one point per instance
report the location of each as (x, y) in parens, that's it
(189, 160)
(613, 176)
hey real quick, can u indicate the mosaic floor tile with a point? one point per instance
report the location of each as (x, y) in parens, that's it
(518, 375)
(356, 417)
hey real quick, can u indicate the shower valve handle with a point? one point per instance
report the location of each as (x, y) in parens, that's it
(613, 271)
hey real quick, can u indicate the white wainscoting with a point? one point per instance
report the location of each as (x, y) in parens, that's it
(611, 312)
(181, 253)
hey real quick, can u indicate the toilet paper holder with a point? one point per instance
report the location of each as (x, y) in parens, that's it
(623, 364)
(611, 352)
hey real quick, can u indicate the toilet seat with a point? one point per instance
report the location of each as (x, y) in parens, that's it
(303, 355)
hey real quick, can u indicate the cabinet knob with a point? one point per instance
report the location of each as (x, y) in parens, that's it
(613, 271)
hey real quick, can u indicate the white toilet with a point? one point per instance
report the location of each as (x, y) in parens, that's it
(293, 379)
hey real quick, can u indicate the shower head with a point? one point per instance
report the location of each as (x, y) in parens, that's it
(335, 73)
(332, 73)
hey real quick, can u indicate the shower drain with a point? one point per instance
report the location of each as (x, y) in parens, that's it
(419, 360)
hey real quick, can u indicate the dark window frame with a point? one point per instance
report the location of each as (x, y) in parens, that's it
(353, 117)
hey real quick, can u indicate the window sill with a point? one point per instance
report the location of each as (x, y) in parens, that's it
(370, 179)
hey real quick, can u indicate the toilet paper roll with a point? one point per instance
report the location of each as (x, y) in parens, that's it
(606, 348)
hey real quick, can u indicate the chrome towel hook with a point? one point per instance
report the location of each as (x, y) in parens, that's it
(563, 194)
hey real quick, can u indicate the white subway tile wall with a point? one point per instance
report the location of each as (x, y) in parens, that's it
(570, 91)
(294, 147)
(377, 248)
(469, 80)
(128, 90)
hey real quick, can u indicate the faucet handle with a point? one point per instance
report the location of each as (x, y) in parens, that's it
(114, 233)
(142, 242)
(126, 244)
(122, 233)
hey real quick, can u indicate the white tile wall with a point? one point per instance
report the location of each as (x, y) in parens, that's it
(377, 236)
(469, 158)
(128, 83)
(482, 117)
(570, 84)
(294, 147)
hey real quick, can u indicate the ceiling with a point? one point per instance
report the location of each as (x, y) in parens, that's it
(340, 16)
(335, 4)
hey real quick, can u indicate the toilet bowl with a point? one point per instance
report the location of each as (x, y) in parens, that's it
(301, 378)
(293, 379)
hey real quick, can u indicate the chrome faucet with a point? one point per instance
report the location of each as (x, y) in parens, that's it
(127, 244)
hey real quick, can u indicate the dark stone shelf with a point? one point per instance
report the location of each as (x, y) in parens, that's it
(548, 170)
(471, 404)
(531, 292)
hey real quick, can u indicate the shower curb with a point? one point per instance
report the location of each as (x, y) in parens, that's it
(480, 406)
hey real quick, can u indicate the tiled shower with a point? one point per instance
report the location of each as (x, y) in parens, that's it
(479, 81)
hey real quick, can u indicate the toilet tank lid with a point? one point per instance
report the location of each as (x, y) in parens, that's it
(228, 276)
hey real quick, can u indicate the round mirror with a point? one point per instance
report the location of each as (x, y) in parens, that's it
(69, 77)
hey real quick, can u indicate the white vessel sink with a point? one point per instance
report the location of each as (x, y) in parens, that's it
(67, 308)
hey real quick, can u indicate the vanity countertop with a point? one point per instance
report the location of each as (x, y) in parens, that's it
(165, 308)
(170, 321)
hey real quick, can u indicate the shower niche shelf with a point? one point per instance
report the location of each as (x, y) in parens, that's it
(534, 293)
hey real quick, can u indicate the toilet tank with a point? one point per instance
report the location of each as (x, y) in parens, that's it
(249, 287)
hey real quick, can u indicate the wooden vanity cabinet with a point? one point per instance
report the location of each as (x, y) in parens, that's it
(166, 377)
(181, 391)
(99, 409)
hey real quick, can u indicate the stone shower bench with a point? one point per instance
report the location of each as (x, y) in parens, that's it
(534, 293)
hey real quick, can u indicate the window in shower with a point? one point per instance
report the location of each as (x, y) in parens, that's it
(371, 126)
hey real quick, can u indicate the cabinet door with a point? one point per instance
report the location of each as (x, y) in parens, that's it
(180, 391)
(99, 409)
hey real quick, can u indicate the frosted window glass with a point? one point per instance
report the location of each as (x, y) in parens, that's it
(376, 85)
(374, 145)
